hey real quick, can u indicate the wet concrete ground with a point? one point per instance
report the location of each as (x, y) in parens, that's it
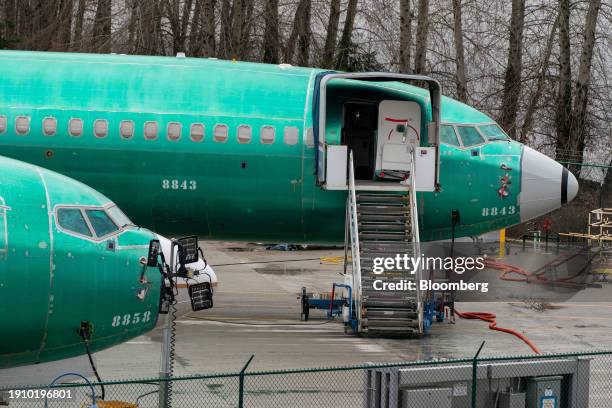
(257, 312)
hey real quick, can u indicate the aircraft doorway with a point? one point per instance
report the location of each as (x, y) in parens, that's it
(360, 124)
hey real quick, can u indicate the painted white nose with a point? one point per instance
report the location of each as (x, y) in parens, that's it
(545, 184)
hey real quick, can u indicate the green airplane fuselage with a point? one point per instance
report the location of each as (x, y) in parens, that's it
(227, 189)
(52, 279)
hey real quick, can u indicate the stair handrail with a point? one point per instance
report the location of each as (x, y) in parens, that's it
(416, 240)
(354, 229)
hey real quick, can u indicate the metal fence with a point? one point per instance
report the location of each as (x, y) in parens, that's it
(569, 380)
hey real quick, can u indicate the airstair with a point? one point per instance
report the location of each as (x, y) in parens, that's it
(383, 224)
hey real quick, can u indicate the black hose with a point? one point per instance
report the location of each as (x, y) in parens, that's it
(93, 366)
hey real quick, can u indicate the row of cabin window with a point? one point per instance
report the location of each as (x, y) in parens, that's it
(244, 135)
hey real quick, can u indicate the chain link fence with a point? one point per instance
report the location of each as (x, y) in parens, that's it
(573, 380)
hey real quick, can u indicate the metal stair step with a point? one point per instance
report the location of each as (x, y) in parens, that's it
(380, 209)
(380, 217)
(384, 246)
(381, 227)
(381, 197)
(383, 236)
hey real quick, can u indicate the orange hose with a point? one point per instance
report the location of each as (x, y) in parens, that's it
(491, 319)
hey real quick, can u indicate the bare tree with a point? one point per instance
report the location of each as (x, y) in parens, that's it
(459, 52)
(148, 22)
(271, 40)
(301, 28)
(202, 41)
(537, 93)
(179, 19)
(64, 34)
(304, 34)
(512, 83)
(405, 36)
(332, 34)
(241, 14)
(578, 119)
(101, 37)
(209, 27)
(345, 45)
(247, 26)
(564, 87)
(78, 25)
(225, 48)
(420, 54)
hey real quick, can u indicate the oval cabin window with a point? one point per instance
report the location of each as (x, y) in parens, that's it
(220, 133)
(150, 130)
(197, 132)
(126, 129)
(22, 125)
(101, 128)
(2, 124)
(75, 127)
(244, 134)
(174, 131)
(291, 135)
(267, 134)
(49, 126)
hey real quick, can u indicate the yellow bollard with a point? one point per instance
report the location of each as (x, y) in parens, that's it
(502, 242)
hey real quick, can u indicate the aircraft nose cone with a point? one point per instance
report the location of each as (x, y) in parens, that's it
(545, 184)
(570, 188)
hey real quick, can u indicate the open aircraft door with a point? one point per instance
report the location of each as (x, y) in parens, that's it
(332, 157)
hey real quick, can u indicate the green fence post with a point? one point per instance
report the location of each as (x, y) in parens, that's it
(474, 368)
(241, 386)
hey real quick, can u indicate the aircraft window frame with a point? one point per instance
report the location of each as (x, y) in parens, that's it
(98, 132)
(452, 126)
(174, 131)
(49, 126)
(75, 127)
(267, 139)
(73, 232)
(242, 137)
(221, 138)
(475, 127)
(154, 132)
(289, 137)
(25, 130)
(93, 227)
(94, 237)
(127, 128)
(482, 133)
(3, 123)
(118, 216)
(197, 137)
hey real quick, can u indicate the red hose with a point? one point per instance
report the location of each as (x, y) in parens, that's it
(524, 276)
(491, 319)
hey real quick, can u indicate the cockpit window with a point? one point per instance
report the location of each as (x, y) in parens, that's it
(101, 222)
(119, 217)
(493, 132)
(71, 219)
(469, 136)
(448, 135)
